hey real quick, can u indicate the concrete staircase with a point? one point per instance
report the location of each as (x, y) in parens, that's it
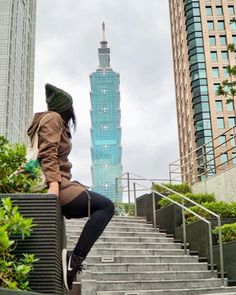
(131, 258)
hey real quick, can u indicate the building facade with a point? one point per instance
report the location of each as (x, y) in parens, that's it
(17, 51)
(201, 31)
(106, 151)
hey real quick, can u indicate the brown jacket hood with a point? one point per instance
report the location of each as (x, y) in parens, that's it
(35, 123)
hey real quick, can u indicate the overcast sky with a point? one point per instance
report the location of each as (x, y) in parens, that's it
(68, 33)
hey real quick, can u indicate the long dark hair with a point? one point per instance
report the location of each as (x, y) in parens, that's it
(69, 118)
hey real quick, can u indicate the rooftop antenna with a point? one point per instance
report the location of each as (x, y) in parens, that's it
(103, 31)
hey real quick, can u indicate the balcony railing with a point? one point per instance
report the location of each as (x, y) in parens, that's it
(213, 157)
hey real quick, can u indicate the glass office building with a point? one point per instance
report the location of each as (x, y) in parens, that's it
(201, 31)
(17, 50)
(106, 151)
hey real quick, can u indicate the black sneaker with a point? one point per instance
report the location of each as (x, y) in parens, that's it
(69, 269)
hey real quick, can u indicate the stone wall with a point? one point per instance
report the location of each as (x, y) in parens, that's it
(223, 185)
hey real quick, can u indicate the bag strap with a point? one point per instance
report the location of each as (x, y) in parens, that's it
(35, 139)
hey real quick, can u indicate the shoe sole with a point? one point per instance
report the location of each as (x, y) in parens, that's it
(64, 267)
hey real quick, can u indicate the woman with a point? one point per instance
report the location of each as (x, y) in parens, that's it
(54, 147)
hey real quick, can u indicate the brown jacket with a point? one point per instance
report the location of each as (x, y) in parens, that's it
(54, 147)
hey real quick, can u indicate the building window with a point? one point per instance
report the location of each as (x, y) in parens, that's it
(234, 39)
(222, 140)
(220, 123)
(221, 25)
(232, 139)
(233, 25)
(212, 40)
(224, 56)
(210, 25)
(214, 56)
(231, 10)
(224, 158)
(219, 10)
(215, 72)
(234, 158)
(216, 86)
(231, 122)
(230, 106)
(226, 74)
(208, 10)
(219, 106)
(222, 40)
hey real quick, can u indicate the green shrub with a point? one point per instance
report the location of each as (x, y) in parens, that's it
(181, 188)
(14, 272)
(225, 210)
(124, 209)
(12, 156)
(198, 198)
(228, 232)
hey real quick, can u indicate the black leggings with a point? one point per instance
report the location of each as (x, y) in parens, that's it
(101, 212)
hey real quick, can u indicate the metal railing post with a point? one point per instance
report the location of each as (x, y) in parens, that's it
(116, 201)
(154, 207)
(211, 247)
(128, 187)
(184, 230)
(222, 272)
(135, 200)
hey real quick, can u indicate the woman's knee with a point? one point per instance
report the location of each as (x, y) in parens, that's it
(111, 207)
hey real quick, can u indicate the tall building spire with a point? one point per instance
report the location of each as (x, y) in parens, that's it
(103, 31)
(106, 150)
(104, 52)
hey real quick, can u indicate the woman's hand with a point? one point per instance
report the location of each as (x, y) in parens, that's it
(53, 188)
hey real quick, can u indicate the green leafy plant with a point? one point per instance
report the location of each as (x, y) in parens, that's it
(225, 210)
(12, 156)
(181, 188)
(198, 198)
(14, 271)
(228, 232)
(125, 209)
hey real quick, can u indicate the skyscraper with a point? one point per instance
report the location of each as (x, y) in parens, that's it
(105, 125)
(201, 31)
(17, 47)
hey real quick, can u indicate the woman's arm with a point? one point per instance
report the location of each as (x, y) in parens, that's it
(49, 141)
(53, 188)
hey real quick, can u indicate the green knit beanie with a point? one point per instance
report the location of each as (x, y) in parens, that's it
(57, 99)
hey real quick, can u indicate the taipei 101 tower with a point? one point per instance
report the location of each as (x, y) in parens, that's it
(106, 151)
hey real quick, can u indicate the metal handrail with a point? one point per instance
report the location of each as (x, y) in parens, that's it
(176, 168)
(183, 215)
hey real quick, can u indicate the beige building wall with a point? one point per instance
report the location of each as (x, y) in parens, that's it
(215, 16)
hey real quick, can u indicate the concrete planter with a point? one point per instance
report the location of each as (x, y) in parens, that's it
(145, 206)
(229, 250)
(46, 241)
(4, 291)
(169, 218)
(197, 235)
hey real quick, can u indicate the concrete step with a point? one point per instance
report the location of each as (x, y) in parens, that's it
(75, 234)
(157, 284)
(136, 252)
(128, 245)
(144, 259)
(154, 275)
(115, 219)
(136, 267)
(113, 228)
(152, 239)
(112, 223)
(117, 240)
(199, 291)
